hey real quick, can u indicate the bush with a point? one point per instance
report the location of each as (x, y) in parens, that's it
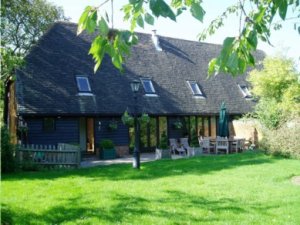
(163, 143)
(283, 141)
(106, 144)
(8, 161)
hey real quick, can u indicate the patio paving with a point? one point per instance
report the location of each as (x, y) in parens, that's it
(145, 157)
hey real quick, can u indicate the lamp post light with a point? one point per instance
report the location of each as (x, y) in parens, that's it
(135, 84)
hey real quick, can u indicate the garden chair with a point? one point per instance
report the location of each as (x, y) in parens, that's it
(206, 144)
(222, 144)
(175, 147)
(185, 144)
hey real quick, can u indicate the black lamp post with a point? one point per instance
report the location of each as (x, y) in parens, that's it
(136, 153)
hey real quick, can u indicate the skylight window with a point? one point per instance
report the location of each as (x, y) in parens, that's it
(148, 86)
(245, 91)
(195, 88)
(83, 84)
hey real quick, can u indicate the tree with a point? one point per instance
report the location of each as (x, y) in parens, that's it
(23, 22)
(256, 20)
(278, 89)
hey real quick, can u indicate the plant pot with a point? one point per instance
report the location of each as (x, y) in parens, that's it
(108, 153)
(162, 154)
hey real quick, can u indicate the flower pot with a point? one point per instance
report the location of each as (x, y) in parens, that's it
(108, 153)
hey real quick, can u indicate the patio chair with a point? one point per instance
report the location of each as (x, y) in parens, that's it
(222, 144)
(238, 145)
(206, 144)
(175, 147)
(185, 144)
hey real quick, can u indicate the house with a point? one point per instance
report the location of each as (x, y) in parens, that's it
(59, 99)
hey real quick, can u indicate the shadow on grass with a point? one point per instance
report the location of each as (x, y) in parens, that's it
(153, 170)
(175, 207)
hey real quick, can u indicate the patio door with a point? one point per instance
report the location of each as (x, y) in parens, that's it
(90, 142)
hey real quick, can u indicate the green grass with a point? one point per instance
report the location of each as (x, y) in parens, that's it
(249, 188)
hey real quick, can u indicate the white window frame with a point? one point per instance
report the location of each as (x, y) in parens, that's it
(87, 81)
(200, 93)
(153, 92)
(245, 91)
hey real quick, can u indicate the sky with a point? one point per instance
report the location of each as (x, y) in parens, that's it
(285, 42)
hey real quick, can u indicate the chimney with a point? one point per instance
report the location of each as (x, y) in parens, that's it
(156, 41)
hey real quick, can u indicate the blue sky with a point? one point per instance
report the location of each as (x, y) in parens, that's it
(285, 41)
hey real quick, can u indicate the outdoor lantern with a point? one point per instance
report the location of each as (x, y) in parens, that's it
(99, 125)
(135, 85)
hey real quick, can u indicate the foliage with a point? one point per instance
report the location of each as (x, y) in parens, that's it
(24, 21)
(8, 162)
(256, 20)
(194, 138)
(219, 189)
(163, 141)
(178, 125)
(278, 89)
(127, 119)
(113, 125)
(284, 140)
(144, 118)
(106, 144)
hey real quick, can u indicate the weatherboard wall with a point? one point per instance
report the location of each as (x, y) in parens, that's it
(66, 131)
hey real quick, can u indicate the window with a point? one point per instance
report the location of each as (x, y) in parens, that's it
(245, 91)
(83, 84)
(49, 124)
(148, 86)
(195, 88)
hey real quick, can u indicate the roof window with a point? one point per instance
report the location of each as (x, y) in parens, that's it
(83, 84)
(245, 91)
(148, 86)
(195, 88)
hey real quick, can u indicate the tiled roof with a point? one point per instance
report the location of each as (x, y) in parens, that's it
(47, 84)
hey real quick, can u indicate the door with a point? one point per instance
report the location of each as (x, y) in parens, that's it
(90, 143)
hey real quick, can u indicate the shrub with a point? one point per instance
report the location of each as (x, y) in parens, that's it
(8, 162)
(106, 144)
(163, 143)
(283, 141)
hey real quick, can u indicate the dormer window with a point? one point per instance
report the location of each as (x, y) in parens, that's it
(195, 88)
(83, 84)
(148, 87)
(245, 91)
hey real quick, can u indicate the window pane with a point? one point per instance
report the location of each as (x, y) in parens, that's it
(162, 125)
(148, 87)
(83, 84)
(152, 134)
(49, 124)
(200, 126)
(195, 88)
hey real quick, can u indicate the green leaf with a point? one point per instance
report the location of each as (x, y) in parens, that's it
(252, 39)
(197, 11)
(149, 19)
(140, 21)
(282, 8)
(260, 15)
(212, 67)
(251, 60)
(233, 62)
(83, 19)
(103, 27)
(91, 22)
(161, 8)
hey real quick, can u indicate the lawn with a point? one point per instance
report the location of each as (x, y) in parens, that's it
(248, 188)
